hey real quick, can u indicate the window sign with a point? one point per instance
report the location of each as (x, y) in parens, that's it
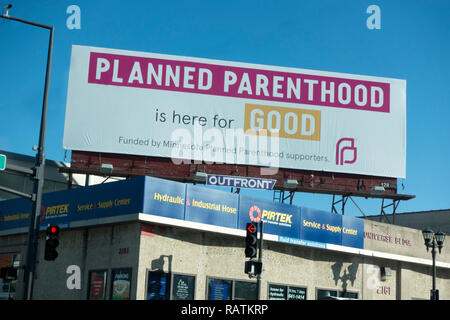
(169, 286)
(219, 289)
(183, 287)
(281, 292)
(97, 285)
(121, 284)
(158, 286)
(296, 293)
(277, 292)
(222, 289)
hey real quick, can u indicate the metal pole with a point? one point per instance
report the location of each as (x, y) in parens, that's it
(38, 181)
(433, 254)
(38, 175)
(260, 254)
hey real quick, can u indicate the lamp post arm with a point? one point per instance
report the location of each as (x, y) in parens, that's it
(40, 25)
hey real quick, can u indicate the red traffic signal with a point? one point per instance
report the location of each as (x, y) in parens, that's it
(251, 228)
(52, 231)
(51, 243)
(251, 240)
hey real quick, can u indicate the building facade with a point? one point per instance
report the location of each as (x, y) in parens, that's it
(143, 239)
(436, 220)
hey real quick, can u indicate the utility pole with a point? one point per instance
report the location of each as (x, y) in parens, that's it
(38, 171)
(260, 255)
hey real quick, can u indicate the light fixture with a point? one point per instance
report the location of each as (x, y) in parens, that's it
(6, 8)
(106, 168)
(200, 177)
(427, 236)
(440, 237)
(378, 189)
(290, 184)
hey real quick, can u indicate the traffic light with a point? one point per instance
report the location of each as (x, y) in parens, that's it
(51, 243)
(253, 268)
(8, 273)
(251, 240)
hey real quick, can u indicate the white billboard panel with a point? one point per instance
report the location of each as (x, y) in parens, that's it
(228, 112)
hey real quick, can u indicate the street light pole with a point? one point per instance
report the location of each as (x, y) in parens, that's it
(38, 172)
(433, 290)
(433, 240)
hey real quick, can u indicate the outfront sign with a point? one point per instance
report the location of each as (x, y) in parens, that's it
(240, 182)
(237, 113)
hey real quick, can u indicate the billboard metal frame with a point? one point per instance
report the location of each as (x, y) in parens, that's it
(341, 186)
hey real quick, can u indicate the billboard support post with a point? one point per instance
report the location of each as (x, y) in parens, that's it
(38, 172)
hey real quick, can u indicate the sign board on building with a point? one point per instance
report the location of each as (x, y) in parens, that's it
(127, 200)
(2, 162)
(212, 207)
(240, 182)
(237, 113)
(183, 287)
(283, 292)
(97, 285)
(121, 284)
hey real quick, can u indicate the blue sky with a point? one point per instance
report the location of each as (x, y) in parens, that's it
(413, 44)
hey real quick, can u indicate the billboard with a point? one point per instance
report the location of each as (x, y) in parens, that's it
(237, 113)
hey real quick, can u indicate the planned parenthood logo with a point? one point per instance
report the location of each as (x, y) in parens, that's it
(343, 157)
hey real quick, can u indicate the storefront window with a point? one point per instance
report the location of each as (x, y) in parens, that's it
(165, 286)
(324, 294)
(97, 285)
(282, 292)
(158, 286)
(346, 294)
(121, 284)
(221, 289)
(296, 293)
(277, 292)
(8, 286)
(244, 290)
(327, 294)
(183, 287)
